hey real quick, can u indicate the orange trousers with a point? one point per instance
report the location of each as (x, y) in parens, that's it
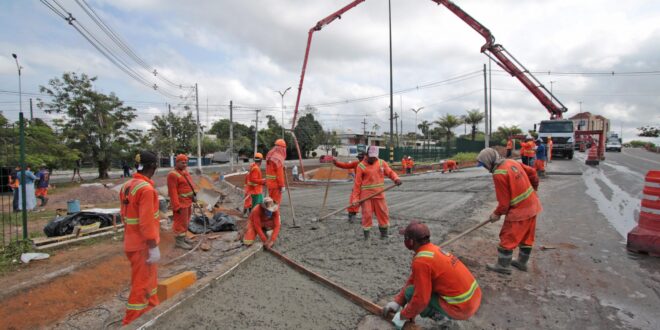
(181, 219)
(518, 233)
(41, 192)
(539, 165)
(353, 209)
(247, 201)
(446, 167)
(144, 286)
(251, 232)
(275, 194)
(378, 206)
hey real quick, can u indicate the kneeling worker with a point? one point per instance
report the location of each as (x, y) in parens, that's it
(440, 287)
(263, 217)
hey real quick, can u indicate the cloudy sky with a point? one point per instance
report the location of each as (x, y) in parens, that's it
(246, 50)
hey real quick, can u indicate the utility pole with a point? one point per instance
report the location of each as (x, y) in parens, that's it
(256, 131)
(401, 110)
(282, 95)
(231, 135)
(31, 115)
(364, 129)
(416, 111)
(21, 122)
(199, 131)
(396, 121)
(490, 100)
(486, 137)
(389, 7)
(169, 109)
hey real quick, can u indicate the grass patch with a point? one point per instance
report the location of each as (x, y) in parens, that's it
(10, 255)
(465, 157)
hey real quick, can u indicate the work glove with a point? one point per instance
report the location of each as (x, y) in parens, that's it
(494, 218)
(398, 322)
(398, 182)
(391, 306)
(154, 255)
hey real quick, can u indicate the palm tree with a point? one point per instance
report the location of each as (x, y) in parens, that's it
(375, 128)
(448, 122)
(474, 117)
(424, 127)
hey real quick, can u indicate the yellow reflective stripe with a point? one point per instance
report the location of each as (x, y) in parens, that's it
(136, 307)
(424, 254)
(271, 177)
(138, 187)
(362, 166)
(186, 194)
(252, 184)
(462, 297)
(176, 173)
(500, 172)
(131, 221)
(154, 292)
(522, 196)
(157, 214)
(370, 186)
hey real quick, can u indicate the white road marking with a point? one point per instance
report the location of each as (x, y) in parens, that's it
(628, 153)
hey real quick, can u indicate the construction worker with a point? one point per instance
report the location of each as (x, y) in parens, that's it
(42, 186)
(14, 183)
(255, 181)
(411, 165)
(549, 144)
(539, 163)
(139, 211)
(182, 195)
(351, 166)
(530, 151)
(439, 287)
(449, 165)
(509, 147)
(515, 187)
(370, 179)
(404, 164)
(275, 171)
(264, 217)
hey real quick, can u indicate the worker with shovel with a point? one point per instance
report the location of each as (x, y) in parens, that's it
(370, 179)
(351, 166)
(440, 287)
(264, 217)
(275, 171)
(254, 181)
(182, 196)
(515, 187)
(139, 211)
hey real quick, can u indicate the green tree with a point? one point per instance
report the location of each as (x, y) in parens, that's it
(183, 139)
(94, 123)
(649, 131)
(503, 132)
(447, 123)
(473, 118)
(424, 127)
(309, 132)
(329, 140)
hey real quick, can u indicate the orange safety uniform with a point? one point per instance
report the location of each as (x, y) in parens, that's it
(253, 185)
(539, 165)
(139, 211)
(181, 196)
(275, 181)
(404, 165)
(549, 144)
(515, 187)
(13, 184)
(351, 166)
(259, 223)
(441, 276)
(370, 179)
(509, 145)
(449, 165)
(529, 150)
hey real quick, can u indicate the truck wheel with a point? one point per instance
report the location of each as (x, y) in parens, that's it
(570, 155)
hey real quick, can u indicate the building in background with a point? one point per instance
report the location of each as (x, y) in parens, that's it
(586, 121)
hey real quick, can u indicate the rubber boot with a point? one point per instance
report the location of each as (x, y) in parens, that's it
(188, 240)
(523, 258)
(366, 234)
(383, 233)
(503, 262)
(180, 243)
(351, 217)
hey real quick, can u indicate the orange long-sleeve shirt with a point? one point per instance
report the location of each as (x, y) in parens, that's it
(260, 220)
(179, 190)
(509, 144)
(254, 181)
(347, 166)
(436, 271)
(139, 211)
(274, 175)
(370, 179)
(515, 188)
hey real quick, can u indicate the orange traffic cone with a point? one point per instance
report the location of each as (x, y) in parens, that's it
(592, 157)
(646, 236)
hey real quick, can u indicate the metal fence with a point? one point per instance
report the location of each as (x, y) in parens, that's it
(11, 220)
(433, 153)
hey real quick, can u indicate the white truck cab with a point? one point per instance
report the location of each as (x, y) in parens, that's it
(561, 132)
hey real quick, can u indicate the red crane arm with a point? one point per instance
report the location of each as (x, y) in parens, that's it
(509, 63)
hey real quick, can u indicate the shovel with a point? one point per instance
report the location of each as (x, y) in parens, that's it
(327, 188)
(358, 202)
(288, 191)
(473, 228)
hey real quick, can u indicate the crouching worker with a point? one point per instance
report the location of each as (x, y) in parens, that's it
(264, 217)
(440, 287)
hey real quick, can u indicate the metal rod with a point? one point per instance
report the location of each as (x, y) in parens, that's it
(288, 192)
(327, 188)
(471, 229)
(358, 202)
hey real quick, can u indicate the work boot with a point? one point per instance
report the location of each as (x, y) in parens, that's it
(383, 233)
(44, 201)
(503, 261)
(188, 240)
(351, 217)
(523, 258)
(366, 234)
(180, 243)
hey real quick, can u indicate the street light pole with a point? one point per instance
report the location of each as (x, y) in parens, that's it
(551, 82)
(21, 121)
(20, 93)
(416, 111)
(282, 95)
(389, 7)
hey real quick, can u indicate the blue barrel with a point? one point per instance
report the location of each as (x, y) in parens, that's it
(73, 206)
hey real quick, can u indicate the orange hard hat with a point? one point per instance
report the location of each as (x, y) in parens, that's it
(258, 155)
(280, 142)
